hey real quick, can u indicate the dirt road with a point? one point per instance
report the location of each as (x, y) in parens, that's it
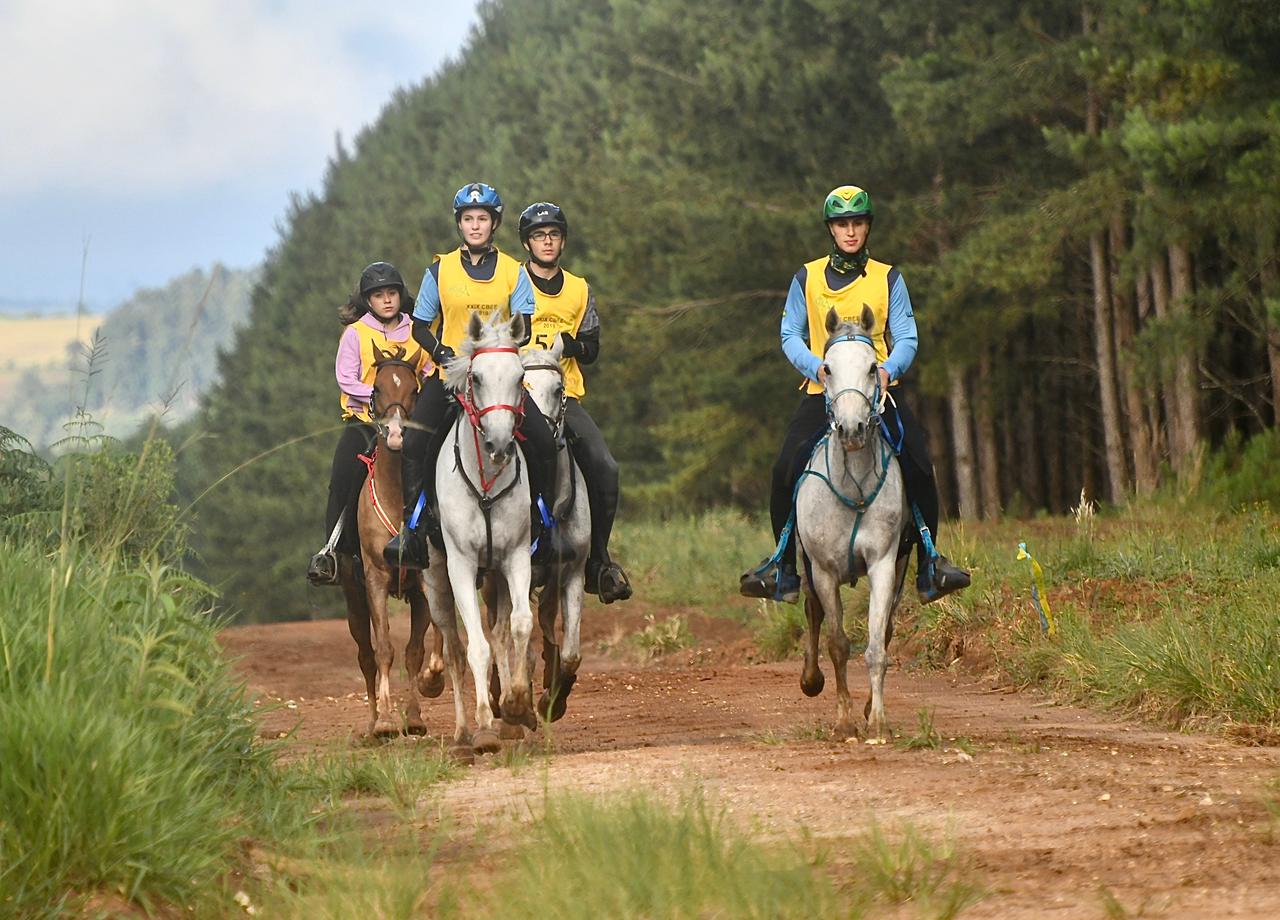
(1055, 804)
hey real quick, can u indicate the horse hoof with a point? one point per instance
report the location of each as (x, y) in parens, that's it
(843, 731)
(432, 685)
(462, 754)
(415, 727)
(552, 710)
(486, 741)
(509, 732)
(385, 729)
(812, 684)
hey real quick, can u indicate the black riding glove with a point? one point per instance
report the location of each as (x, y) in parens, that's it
(572, 347)
(443, 354)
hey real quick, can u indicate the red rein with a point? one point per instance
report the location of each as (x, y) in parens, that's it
(474, 415)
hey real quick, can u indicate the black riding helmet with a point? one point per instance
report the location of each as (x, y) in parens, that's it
(542, 214)
(381, 275)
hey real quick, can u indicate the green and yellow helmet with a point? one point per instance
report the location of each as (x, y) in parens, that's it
(848, 201)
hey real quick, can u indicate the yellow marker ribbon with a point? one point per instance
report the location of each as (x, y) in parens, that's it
(1039, 597)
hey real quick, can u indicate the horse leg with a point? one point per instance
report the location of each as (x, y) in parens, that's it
(445, 620)
(414, 653)
(571, 647)
(358, 624)
(377, 582)
(462, 578)
(827, 587)
(500, 673)
(549, 606)
(489, 596)
(879, 628)
(517, 697)
(811, 679)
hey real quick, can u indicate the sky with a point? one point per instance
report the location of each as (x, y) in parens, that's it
(168, 136)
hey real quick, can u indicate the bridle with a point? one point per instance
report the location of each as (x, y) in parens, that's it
(466, 399)
(875, 402)
(379, 416)
(557, 426)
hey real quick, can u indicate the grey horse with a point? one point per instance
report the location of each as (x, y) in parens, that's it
(851, 508)
(482, 489)
(563, 593)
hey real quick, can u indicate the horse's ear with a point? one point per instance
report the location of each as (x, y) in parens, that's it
(379, 355)
(868, 319)
(519, 329)
(557, 347)
(475, 326)
(833, 320)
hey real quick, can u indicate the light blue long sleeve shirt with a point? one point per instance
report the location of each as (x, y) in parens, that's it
(901, 333)
(427, 307)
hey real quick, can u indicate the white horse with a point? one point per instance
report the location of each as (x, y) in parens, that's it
(544, 379)
(850, 510)
(483, 494)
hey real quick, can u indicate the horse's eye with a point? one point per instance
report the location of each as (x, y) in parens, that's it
(872, 369)
(475, 379)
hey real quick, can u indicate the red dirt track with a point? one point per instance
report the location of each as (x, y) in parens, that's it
(1056, 805)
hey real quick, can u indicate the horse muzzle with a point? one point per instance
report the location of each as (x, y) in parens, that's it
(852, 438)
(500, 457)
(395, 434)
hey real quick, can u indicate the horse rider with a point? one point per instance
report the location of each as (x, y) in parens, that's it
(474, 278)
(376, 317)
(846, 279)
(565, 307)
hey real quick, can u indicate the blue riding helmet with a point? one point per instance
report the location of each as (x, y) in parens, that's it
(478, 195)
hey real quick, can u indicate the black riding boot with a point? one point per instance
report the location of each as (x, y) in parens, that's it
(407, 549)
(540, 460)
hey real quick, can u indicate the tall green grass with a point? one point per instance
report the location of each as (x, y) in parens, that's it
(129, 758)
(1165, 609)
(689, 861)
(694, 560)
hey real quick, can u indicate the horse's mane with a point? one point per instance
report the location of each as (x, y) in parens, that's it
(491, 336)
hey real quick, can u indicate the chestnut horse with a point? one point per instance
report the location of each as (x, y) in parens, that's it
(379, 514)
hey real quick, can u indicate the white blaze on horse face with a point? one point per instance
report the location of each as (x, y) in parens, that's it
(497, 380)
(851, 390)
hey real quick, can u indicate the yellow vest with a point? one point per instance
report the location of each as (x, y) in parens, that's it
(871, 289)
(461, 295)
(557, 313)
(369, 339)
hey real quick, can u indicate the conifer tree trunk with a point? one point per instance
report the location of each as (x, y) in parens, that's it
(988, 450)
(1185, 375)
(1150, 386)
(1103, 335)
(1104, 358)
(961, 418)
(1160, 301)
(1144, 466)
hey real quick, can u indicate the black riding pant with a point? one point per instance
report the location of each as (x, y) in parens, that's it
(345, 478)
(435, 412)
(600, 471)
(805, 430)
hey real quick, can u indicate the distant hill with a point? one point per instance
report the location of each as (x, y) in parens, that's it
(155, 352)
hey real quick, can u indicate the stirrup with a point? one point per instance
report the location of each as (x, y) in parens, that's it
(787, 590)
(323, 569)
(762, 581)
(612, 584)
(939, 579)
(405, 551)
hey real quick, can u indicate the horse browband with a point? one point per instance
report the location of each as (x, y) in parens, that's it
(849, 337)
